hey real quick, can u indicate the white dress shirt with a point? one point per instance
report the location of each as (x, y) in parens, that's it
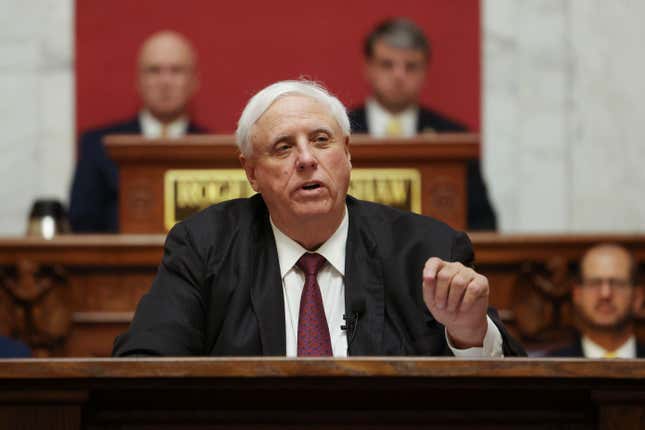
(332, 289)
(591, 349)
(152, 128)
(378, 119)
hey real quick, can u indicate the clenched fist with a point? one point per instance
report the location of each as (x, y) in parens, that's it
(457, 297)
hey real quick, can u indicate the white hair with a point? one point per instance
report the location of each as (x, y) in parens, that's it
(260, 102)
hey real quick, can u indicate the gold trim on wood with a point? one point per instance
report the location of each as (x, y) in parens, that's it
(188, 191)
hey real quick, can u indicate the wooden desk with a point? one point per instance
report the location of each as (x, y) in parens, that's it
(72, 295)
(440, 159)
(322, 394)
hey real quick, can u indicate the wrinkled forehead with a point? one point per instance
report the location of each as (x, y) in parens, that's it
(293, 112)
(166, 49)
(609, 262)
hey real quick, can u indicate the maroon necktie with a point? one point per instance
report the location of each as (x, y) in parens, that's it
(313, 332)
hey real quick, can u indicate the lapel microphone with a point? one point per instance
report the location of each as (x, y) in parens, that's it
(351, 321)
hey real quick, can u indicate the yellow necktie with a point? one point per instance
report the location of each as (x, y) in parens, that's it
(394, 128)
(610, 354)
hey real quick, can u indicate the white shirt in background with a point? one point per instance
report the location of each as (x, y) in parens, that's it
(378, 119)
(591, 349)
(152, 128)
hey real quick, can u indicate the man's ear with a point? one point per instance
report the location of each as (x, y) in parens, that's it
(349, 155)
(249, 168)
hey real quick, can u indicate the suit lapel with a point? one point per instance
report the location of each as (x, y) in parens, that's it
(364, 290)
(266, 289)
(640, 350)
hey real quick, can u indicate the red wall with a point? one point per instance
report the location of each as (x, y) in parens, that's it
(245, 45)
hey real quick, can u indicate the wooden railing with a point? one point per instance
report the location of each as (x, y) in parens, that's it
(374, 393)
(72, 295)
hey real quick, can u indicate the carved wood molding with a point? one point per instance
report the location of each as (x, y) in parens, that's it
(35, 303)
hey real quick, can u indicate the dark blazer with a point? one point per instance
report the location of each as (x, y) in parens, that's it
(94, 199)
(574, 349)
(218, 290)
(481, 215)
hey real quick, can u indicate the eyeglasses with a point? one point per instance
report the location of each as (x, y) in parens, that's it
(615, 284)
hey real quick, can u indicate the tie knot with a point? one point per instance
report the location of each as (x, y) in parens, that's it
(610, 354)
(311, 263)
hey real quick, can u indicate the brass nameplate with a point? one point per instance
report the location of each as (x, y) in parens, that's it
(189, 191)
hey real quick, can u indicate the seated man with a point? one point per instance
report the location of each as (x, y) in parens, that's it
(396, 61)
(303, 269)
(167, 81)
(606, 300)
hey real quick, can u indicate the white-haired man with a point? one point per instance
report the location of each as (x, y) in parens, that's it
(302, 269)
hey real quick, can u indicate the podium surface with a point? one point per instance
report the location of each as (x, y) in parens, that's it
(366, 393)
(440, 161)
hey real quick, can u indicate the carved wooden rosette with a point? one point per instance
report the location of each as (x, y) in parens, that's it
(541, 300)
(34, 304)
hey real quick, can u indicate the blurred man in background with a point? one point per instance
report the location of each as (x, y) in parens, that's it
(606, 300)
(167, 81)
(396, 63)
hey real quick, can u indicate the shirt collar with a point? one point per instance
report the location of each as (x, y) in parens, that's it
(290, 251)
(592, 350)
(378, 117)
(151, 127)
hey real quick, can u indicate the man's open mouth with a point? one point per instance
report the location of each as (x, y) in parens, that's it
(310, 186)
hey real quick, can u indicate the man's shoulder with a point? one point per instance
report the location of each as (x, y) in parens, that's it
(93, 137)
(130, 125)
(573, 349)
(640, 349)
(405, 235)
(358, 119)
(195, 128)
(226, 217)
(431, 120)
(378, 217)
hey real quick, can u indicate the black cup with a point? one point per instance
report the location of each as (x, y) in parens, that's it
(47, 218)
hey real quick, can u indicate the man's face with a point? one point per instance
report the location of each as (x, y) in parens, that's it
(300, 161)
(167, 79)
(606, 299)
(396, 75)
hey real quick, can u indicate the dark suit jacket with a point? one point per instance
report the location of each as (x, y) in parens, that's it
(218, 290)
(481, 215)
(94, 200)
(574, 349)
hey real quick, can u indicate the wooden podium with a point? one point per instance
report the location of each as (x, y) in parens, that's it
(440, 159)
(361, 393)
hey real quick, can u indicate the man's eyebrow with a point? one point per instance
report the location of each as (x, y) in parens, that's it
(321, 129)
(280, 138)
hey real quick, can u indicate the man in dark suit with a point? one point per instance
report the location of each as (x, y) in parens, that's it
(606, 299)
(302, 269)
(396, 60)
(167, 80)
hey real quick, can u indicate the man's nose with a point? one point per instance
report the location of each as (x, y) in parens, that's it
(606, 289)
(306, 157)
(399, 71)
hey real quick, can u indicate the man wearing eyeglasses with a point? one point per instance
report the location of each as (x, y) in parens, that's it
(606, 300)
